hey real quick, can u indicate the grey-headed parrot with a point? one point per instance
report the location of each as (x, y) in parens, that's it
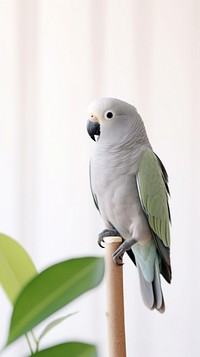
(129, 186)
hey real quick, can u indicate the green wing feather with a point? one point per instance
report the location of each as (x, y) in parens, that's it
(152, 184)
(152, 181)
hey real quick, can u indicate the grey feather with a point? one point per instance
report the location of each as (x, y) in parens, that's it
(146, 290)
(158, 295)
(152, 292)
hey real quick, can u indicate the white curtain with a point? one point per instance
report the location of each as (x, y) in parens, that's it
(56, 56)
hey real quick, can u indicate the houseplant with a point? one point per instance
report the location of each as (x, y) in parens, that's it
(36, 296)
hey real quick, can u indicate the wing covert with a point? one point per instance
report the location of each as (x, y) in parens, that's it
(152, 181)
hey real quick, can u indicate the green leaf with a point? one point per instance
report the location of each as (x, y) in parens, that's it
(53, 324)
(16, 267)
(51, 290)
(71, 349)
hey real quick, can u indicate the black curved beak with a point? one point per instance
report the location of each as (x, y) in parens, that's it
(93, 129)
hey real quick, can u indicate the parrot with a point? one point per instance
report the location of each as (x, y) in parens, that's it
(129, 186)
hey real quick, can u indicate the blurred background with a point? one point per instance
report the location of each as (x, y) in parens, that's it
(56, 56)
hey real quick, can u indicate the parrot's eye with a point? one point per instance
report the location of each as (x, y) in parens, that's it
(109, 115)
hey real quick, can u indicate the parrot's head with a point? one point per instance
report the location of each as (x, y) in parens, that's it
(112, 120)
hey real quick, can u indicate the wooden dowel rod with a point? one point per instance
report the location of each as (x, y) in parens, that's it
(114, 301)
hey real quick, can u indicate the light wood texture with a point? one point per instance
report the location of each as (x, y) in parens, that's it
(114, 301)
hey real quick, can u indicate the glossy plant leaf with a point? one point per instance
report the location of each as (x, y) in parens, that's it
(53, 324)
(71, 349)
(51, 290)
(16, 267)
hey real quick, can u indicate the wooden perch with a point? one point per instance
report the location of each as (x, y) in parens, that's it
(114, 301)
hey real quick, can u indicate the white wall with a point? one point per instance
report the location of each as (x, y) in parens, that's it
(56, 56)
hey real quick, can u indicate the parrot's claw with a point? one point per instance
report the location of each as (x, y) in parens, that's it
(126, 245)
(118, 263)
(106, 233)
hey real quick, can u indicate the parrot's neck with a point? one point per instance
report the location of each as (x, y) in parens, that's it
(116, 156)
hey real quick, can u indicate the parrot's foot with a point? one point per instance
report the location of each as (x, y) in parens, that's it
(126, 245)
(107, 233)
